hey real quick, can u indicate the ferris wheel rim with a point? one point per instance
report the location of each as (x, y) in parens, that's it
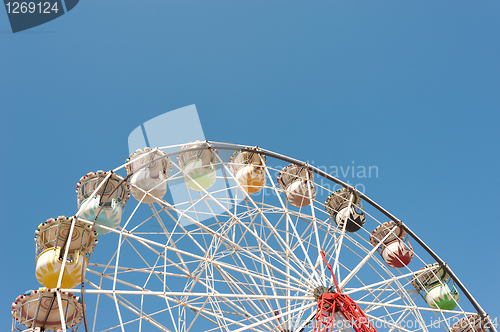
(228, 146)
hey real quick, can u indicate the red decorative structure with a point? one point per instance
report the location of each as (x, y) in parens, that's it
(331, 303)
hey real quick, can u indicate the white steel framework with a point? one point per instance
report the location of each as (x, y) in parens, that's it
(223, 260)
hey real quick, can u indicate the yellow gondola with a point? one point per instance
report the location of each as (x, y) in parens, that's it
(248, 167)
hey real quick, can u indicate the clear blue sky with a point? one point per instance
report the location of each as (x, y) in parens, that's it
(412, 87)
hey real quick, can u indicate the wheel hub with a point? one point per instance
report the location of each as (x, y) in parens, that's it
(320, 290)
(331, 302)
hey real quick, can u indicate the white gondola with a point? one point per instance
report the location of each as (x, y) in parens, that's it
(298, 184)
(396, 249)
(248, 167)
(107, 204)
(436, 287)
(148, 170)
(53, 233)
(199, 167)
(472, 323)
(343, 206)
(38, 310)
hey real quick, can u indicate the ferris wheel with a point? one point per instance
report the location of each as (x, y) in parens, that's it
(246, 240)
